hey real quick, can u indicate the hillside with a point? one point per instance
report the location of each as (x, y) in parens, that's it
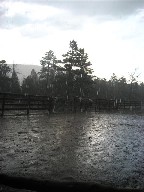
(24, 70)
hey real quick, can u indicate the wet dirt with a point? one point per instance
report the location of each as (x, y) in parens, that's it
(96, 147)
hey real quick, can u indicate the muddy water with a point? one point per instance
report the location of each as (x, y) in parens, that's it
(104, 148)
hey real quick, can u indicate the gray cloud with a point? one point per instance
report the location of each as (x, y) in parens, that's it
(60, 22)
(95, 7)
(20, 19)
(2, 11)
(14, 21)
(64, 23)
(2, 16)
(37, 30)
(114, 8)
(10, 21)
(103, 10)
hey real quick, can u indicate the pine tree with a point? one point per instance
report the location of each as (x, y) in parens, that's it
(78, 71)
(4, 76)
(15, 85)
(48, 72)
(30, 84)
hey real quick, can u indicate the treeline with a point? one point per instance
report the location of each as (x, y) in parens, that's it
(69, 77)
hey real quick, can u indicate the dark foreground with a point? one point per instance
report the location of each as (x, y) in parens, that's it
(46, 186)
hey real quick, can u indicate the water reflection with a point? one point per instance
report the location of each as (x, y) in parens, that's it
(114, 149)
(93, 147)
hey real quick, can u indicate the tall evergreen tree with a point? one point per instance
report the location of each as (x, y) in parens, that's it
(15, 85)
(69, 61)
(122, 88)
(4, 76)
(30, 84)
(48, 72)
(78, 70)
(133, 84)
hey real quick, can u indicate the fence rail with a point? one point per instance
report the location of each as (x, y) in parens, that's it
(24, 102)
(101, 104)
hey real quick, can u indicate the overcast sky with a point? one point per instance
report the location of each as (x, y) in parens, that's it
(112, 32)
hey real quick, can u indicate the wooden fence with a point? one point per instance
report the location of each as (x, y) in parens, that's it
(114, 104)
(130, 105)
(24, 102)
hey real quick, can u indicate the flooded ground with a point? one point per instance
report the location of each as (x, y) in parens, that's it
(102, 148)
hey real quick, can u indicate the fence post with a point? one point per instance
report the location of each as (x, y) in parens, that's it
(28, 104)
(124, 104)
(3, 105)
(48, 103)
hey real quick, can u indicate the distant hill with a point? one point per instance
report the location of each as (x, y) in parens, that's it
(24, 70)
